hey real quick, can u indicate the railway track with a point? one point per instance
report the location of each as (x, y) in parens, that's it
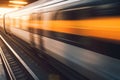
(15, 66)
(16, 71)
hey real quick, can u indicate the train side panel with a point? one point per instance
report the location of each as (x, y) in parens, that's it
(84, 37)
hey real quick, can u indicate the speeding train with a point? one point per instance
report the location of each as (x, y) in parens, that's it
(84, 35)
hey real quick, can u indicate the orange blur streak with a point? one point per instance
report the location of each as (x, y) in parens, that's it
(108, 27)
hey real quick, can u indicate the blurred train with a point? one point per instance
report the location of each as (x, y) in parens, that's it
(81, 34)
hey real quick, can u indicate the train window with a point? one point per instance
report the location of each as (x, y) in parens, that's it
(91, 11)
(49, 15)
(73, 14)
(35, 16)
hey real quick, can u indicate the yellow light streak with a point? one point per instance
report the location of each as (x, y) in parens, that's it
(18, 2)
